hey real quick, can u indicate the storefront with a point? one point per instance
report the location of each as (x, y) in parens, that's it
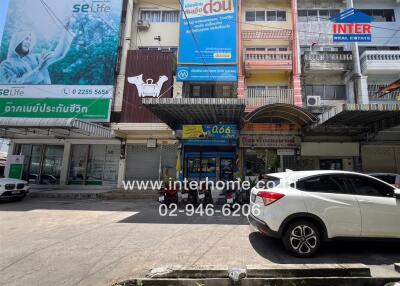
(209, 151)
(268, 153)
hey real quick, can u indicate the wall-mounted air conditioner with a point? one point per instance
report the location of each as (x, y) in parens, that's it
(142, 24)
(313, 100)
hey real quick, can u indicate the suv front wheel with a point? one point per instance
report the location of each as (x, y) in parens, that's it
(302, 238)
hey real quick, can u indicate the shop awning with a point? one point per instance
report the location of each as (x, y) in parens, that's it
(51, 127)
(288, 112)
(175, 111)
(352, 119)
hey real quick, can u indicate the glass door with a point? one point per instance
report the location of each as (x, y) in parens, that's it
(51, 167)
(34, 166)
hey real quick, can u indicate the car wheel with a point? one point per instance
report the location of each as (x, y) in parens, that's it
(302, 238)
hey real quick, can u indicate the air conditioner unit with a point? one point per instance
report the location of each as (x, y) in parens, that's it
(313, 100)
(143, 24)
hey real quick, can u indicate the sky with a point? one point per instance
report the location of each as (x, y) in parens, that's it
(3, 14)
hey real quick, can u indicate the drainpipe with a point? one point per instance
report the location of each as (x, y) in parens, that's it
(296, 84)
(241, 85)
(119, 90)
(360, 81)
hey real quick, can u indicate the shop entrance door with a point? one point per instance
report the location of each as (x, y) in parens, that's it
(42, 163)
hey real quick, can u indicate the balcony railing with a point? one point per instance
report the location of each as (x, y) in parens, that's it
(260, 97)
(268, 60)
(375, 95)
(327, 61)
(380, 61)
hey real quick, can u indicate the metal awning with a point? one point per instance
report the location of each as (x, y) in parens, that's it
(175, 111)
(52, 127)
(352, 119)
(289, 112)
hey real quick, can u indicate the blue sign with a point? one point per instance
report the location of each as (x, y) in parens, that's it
(352, 26)
(206, 73)
(208, 32)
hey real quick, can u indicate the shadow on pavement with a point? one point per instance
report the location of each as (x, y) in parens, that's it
(369, 253)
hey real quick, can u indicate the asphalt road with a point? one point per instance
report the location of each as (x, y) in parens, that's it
(99, 242)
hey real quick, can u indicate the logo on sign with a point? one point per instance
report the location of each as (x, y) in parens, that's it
(199, 8)
(352, 26)
(183, 74)
(148, 88)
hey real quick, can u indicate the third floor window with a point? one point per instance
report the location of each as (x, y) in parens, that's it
(317, 15)
(265, 16)
(380, 15)
(160, 16)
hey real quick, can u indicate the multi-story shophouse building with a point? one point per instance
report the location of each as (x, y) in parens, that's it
(338, 76)
(206, 89)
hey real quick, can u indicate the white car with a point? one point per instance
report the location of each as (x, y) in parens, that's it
(13, 189)
(305, 208)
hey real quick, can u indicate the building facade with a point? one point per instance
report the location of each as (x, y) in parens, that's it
(213, 89)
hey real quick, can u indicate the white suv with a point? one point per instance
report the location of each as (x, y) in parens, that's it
(307, 207)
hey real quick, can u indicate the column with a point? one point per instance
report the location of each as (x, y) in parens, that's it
(296, 84)
(119, 89)
(10, 152)
(360, 81)
(65, 164)
(241, 84)
(122, 165)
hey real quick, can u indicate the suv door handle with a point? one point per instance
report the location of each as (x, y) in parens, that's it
(365, 202)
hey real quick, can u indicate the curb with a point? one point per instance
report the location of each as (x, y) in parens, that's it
(397, 267)
(112, 195)
(309, 281)
(262, 271)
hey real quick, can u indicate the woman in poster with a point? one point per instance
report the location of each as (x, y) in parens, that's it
(22, 66)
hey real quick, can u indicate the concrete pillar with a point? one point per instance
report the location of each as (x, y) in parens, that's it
(65, 164)
(296, 84)
(122, 166)
(119, 92)
(360, 81)
(11, 148)
(241, 87)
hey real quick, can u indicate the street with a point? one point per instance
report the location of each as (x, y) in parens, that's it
(100, 242)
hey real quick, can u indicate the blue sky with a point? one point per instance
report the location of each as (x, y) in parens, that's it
(3, 14)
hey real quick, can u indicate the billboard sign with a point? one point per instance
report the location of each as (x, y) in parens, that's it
(352, 26)
(208, 32)
(206, 73)
(210, 131)
(58, 58)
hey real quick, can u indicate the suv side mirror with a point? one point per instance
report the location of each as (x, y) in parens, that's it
(397, 194)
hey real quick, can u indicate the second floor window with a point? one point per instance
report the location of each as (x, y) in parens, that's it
(327, 92)
(160, 16)
(265, 16)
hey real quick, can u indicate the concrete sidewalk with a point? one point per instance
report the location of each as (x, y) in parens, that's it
(101, 242)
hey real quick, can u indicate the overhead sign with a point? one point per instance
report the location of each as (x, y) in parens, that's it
(208, 35)
(58, 58)
(207, 73)
(269, 141)
(210, 131)
(352, 26)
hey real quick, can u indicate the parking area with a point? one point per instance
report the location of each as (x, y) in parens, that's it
(99, 242)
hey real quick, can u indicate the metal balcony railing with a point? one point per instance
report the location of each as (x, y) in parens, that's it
(336, 57)
(375, 95)
(259, 97)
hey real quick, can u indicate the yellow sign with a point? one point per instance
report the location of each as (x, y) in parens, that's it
(192, 132)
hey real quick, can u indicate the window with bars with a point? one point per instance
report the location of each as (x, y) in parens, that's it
(316, 15)
(328, 92)
(265, 16)
(160, 16)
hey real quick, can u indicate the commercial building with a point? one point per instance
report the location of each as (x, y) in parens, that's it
(207, 89)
